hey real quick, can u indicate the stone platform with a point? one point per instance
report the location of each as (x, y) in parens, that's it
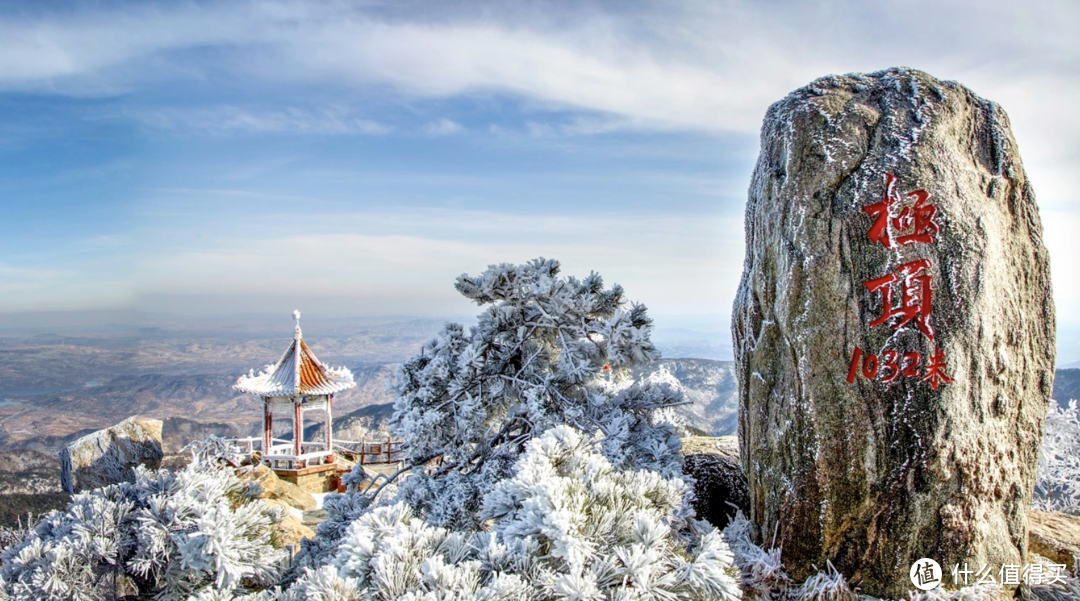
(314, 479)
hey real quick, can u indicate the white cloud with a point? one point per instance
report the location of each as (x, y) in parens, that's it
(442, 127)
(1060, 236)
(703, 66)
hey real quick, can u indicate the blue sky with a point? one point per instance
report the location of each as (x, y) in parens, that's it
(355, 157)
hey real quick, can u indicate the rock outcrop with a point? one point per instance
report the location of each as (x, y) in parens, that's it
(108, 456)
(893, 330)
(719, 485)
(291, 529)
(276, 489)
(290, 498)
(1055, 536)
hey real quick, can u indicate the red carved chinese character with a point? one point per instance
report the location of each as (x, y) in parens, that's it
(935, 370)
(916, 290)
(879, 232)
(917, 221)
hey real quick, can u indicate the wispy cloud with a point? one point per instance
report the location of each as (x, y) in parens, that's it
(225, 120)
(712, 66)
(38, 288)
(704, 68)
(442, 127)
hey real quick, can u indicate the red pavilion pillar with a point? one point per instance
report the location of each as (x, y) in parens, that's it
(298, 428)
(268, 427)
(329, 422)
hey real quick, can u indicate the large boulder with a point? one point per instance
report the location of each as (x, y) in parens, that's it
(293, 501)
(291, 529)
(893, 330)
(109, 456)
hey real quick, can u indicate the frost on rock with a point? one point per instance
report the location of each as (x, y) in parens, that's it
(854, 454)
(166, 535)
(546, 351)
(566, 525)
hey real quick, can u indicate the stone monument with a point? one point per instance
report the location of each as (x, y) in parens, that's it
(893, 332)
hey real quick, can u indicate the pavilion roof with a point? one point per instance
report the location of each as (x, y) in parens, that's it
(298, 373)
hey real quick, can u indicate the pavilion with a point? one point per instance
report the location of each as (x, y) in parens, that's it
(298, 384)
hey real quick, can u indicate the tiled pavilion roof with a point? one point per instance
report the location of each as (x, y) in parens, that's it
(297, 373)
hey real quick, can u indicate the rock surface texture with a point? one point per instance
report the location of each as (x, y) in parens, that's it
(893, 330)
(108, 456)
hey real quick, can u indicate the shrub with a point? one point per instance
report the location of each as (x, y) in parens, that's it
(169, 535)
(1057, 481)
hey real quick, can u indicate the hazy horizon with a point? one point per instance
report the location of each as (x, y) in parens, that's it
(710, 334)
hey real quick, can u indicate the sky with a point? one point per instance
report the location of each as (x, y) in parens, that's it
(354, 158)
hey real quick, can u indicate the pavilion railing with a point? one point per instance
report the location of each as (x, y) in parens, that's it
(371, 451)
(378, 450)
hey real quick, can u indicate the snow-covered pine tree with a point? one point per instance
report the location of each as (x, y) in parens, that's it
(167, 536)
(547, 351)
(566, 525)
(560, 478)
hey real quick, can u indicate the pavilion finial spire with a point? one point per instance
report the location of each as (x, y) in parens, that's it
(296, 316)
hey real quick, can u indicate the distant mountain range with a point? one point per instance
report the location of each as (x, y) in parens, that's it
(193, 406)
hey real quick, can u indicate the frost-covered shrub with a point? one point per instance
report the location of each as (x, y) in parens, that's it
(547, 351)
(215, 449)
(168, 535)
(1057, 481)
(566, 525)
(9, 535)
(763, 575)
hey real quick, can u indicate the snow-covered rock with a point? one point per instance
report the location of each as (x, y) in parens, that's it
(108, 456)
(892, 234)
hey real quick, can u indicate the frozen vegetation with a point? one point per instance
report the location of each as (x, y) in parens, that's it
(1057, 482)
(195, 533)
(566, 525)
(538, 468)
